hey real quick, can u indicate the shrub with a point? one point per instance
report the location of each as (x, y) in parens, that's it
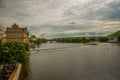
(13, 51)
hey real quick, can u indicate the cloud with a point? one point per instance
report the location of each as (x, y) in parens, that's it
(101, 28)
(95, 10)
(59, 18)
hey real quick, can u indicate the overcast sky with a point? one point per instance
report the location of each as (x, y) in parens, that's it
(62, 18)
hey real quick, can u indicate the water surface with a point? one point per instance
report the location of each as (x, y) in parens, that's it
(76, 62)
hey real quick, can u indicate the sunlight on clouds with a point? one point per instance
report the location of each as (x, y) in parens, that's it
(72, 31)
(76, 2)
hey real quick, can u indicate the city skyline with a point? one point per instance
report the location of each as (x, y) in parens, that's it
(62, 18)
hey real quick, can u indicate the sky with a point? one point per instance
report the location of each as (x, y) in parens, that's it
(62, 18)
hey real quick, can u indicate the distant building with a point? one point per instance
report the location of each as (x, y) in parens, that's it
(32, 41)
(1, 33)
(116, 39)
(16, 33)
(32, 38)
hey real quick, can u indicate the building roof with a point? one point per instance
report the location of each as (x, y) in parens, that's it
(16, 28)
(33, 36)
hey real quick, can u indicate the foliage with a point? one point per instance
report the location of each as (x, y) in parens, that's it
(0, 44)
(44, 40)
(73, 40)
(26, 46)
(39, 41)
(93, 39)
(116, 34)
(13, 51)
(119, 39)
(24, 73)
(103, 39)
(31, 41)
(0, 41)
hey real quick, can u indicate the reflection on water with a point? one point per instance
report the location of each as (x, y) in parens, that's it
(76, 62)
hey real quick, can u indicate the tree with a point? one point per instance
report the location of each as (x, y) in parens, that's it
(119, 39)
(92, 38)
(38, 41)
(13, 51)
(103, 39)
(44, 40)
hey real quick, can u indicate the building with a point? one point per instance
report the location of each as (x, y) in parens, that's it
(16, 33)
(2, 33)
(32, 41)
(32, 38)
(114, 40)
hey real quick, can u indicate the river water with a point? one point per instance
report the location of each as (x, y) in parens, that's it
(64, 61)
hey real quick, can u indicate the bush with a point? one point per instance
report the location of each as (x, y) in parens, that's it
(11, 51)
(103, 39)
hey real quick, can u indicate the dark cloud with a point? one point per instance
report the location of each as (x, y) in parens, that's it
(114, 14)
(22, 14)
(91, 11)
(59, 28)
(1, 4)
(43, 34)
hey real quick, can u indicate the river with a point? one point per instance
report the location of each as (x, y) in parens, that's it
(68, 61)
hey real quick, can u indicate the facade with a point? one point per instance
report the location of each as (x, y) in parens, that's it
(2, 33)
(16, 33)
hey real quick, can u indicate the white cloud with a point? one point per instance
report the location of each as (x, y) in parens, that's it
(55, 17)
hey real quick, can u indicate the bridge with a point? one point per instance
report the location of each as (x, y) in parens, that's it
(52, 40)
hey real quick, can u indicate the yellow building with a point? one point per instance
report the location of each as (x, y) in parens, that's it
(16, 33)
(2, 33)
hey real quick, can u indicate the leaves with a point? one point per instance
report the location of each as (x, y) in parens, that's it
(11, 51)
(116, 34)
(73, 40)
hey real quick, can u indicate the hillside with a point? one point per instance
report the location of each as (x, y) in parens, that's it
(116, 34)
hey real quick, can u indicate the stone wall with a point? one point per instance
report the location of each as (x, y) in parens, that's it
(16, 72)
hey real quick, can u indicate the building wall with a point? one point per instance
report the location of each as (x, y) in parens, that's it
(2, 33)
(16, 33)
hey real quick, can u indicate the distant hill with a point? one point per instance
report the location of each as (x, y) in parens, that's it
(116, 34)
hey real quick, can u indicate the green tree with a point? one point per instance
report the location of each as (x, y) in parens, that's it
(44, 40)
(38, 41)
(92, 38)
(103, 39)
(13, 51)
(119, 39)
